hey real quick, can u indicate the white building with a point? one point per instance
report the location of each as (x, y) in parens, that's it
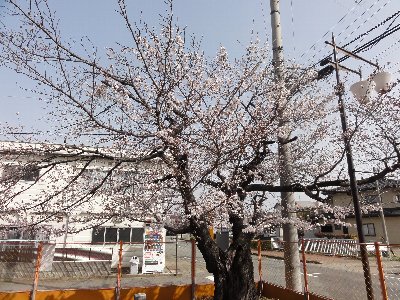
(72, 193)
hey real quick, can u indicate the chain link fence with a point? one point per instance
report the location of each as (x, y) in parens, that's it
(391, 270)
(330, 268)
(333, 268)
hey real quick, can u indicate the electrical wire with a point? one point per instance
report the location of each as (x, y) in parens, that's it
(367, 18)
(293, 36)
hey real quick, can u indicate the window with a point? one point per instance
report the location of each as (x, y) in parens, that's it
(338, 227)
(98, 235)
(113, 235)
(369, 229)
(371, 199)
(345, 230)
(137, 234)
(92, 176)
(128, 181)
(19, 233)
(327, 228)
(31, 173)
(124, 234)
(18, 172)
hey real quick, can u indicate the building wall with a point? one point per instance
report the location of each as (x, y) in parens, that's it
(52, 180)
(389, 198)
(392, 225)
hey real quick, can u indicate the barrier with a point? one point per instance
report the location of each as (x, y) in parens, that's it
(326, 275)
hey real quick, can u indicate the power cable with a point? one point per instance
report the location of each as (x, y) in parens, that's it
(351, 23)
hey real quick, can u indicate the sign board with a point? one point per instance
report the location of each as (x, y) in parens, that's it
(153, 248)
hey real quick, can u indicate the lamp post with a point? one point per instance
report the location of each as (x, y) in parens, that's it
(352, 176)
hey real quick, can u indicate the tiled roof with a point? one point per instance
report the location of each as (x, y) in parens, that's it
(383, 184)
(387, 212)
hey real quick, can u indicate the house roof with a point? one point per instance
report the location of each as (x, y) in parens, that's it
(18, 148)
(383, 184)
(387, 212)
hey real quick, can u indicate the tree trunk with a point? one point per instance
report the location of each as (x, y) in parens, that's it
(236, 280)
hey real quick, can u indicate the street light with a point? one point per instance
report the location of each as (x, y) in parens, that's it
(362, 91)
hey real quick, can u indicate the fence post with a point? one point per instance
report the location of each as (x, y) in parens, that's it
(303, 254)
(380, 269)
(37, 270)
(176, 255)
(259, 260)
(193, 269)
(119, 271)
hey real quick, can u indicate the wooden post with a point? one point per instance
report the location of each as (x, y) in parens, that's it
(193, 269)
(119, 271)
(37, 270)
(303, 254)
(380, 269)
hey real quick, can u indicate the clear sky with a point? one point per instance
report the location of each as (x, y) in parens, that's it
(306, 24)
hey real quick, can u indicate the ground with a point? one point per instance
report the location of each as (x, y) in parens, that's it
(337, 277)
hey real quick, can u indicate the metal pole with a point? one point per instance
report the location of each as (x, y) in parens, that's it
(65, 236)
(37, 270)
(382, 215)
(119, 271)
(193, 269)
(259, 260)
(353, 181)
(381, 274)
(303, 255)
(176, 255)
(290, 236)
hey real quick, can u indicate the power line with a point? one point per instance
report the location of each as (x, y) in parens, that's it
(363, 14)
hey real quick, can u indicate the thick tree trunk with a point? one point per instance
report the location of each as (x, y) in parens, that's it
(232, 269)
(236, 282)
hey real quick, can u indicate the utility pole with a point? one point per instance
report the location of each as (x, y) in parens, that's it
(352, 176)
(290, 236)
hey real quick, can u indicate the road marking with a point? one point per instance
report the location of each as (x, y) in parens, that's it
(312, 274)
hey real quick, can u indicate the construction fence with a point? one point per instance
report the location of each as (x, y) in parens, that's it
(329, 268)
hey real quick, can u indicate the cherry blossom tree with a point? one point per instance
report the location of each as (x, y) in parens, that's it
(206, 128)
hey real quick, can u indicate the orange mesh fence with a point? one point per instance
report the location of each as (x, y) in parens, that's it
(330, 268)
(391, 270)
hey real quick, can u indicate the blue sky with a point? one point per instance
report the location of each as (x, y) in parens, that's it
(306, 24)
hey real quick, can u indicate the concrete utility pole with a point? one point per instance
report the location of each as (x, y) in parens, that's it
(290, 237)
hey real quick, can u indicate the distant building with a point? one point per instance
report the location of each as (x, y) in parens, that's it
(38, 202)
(372, 222)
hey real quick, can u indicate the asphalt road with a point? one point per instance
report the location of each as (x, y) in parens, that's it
(337, 278)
